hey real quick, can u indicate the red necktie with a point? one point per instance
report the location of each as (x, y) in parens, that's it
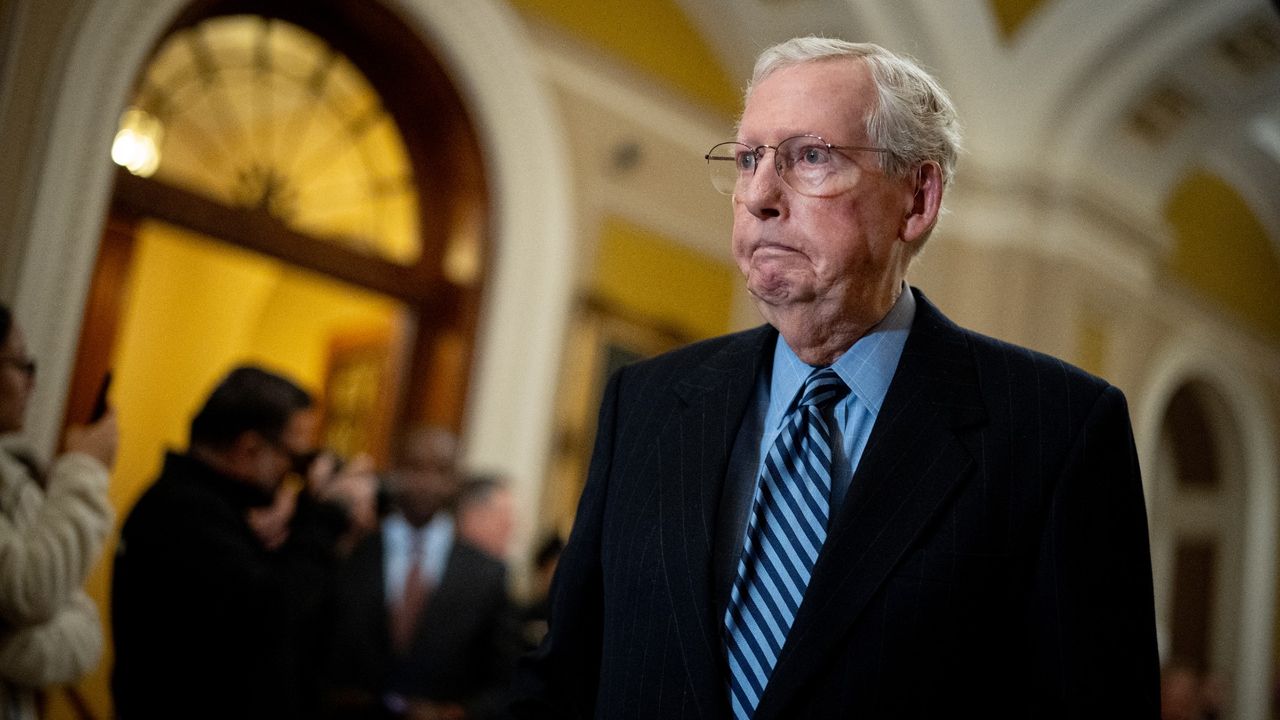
(406, 613)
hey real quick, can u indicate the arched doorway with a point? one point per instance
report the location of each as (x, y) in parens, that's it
(315, 205)
(1213, 525)
(1200, 471)
(531, 271)
(532, 266)
(352, 158)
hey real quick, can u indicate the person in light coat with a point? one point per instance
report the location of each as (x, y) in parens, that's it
(52, 526)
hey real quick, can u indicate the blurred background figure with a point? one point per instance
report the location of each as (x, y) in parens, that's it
(1188, 694)
(222, 568)
(52, 526)
(1179, 693)
(1214, 694)
(486, 514)
(423, 625)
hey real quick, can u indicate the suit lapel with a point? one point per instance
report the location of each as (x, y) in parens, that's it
(366, 570)
(692, 452)
(914, 461)
(447, 585)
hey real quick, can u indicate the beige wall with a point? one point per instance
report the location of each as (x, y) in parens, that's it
(33, 37)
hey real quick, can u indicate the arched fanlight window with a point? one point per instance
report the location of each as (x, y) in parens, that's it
(258, 113)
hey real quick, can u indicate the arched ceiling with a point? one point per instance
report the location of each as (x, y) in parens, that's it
(1123, 97)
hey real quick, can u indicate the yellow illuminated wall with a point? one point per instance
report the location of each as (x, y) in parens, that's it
(1223, 252)
(1011, 14)
(1093, 343)
(652, 35)
(655, 277)
(193, 309)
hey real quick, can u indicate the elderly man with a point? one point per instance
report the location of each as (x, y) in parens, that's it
(859, 510)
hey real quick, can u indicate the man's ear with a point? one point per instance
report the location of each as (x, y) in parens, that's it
(926, 203)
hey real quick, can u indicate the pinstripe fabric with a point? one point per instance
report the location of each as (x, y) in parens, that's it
(990, 557)
(787, 528)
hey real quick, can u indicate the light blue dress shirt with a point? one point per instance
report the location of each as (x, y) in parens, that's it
(397, 542)
(867, 368)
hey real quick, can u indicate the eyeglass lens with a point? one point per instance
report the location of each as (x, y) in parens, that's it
(806, 163)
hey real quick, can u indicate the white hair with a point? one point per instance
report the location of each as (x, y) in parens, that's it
(914, 118)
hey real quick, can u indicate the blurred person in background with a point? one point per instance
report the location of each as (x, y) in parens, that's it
(223, 569)
(423, 626)
(1179, 693)
(1188, 694)
(486, 514)
(52, 525)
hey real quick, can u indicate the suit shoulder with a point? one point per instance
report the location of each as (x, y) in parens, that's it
(163, 499)
(1023, 362)
(646, 380)
(700, 352)
(1028, 381)
(478, 564)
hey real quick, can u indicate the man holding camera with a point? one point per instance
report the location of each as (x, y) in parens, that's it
(222, 571)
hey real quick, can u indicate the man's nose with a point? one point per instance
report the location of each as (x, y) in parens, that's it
(763, 194)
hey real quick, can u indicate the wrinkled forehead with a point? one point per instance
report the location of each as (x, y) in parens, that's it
(832, 98)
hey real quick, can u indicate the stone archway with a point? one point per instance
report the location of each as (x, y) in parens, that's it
(530, 284)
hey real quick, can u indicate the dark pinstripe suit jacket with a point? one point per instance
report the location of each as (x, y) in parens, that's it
(990, 560)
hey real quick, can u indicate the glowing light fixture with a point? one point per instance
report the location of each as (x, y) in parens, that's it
(137, 144)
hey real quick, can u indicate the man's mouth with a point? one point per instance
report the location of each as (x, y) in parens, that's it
(773, 248)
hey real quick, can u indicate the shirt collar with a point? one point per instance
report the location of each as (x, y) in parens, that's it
(867, 367)
(398, 532)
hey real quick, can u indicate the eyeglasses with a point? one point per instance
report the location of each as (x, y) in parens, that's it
(806, 163)
(25, 364)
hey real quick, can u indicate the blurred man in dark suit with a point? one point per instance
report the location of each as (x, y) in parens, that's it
(486, 514)
(423, 629)
(860, 509)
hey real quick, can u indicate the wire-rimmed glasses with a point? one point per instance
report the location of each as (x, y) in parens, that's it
(806, 163)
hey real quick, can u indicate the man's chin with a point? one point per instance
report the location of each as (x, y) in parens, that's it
(774, 290)
(765, 288)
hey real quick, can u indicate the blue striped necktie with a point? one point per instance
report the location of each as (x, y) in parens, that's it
(786, 530)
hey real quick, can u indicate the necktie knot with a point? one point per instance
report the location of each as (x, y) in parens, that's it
(823, 386)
